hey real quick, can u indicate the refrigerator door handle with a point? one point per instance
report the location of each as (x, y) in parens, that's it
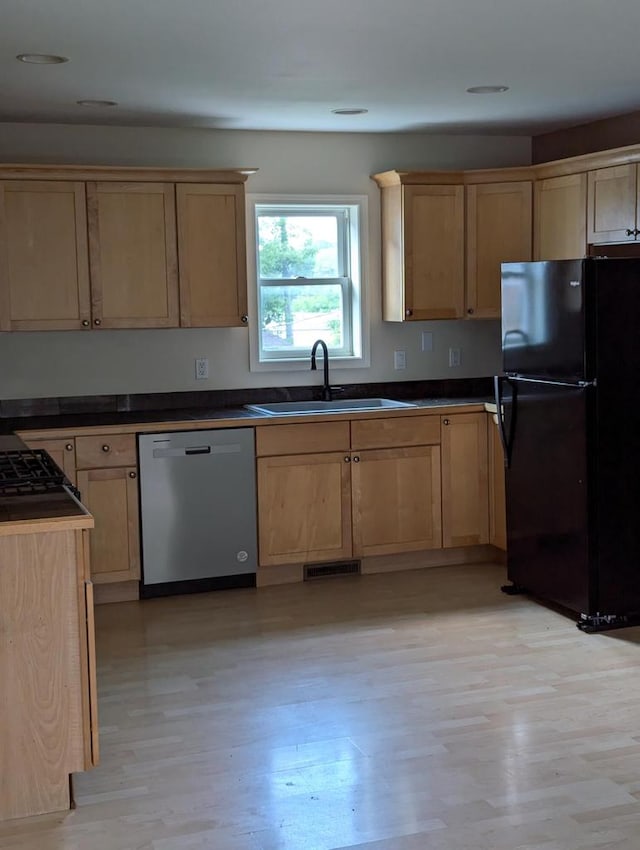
(505, 439)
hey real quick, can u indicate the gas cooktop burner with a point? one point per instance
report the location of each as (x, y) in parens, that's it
(26, 472)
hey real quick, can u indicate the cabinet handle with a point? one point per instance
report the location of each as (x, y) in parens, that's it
(69, 447)
(132, 475)
(85, 323)
(97, 321)
(347, 459)
(636, 232)
(470, 311)
(445, 421)
(244, 319)
(106, 448)
(630, 232)
(408, 312)
(356, 459)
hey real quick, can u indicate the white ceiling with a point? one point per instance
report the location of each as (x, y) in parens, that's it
(284, 64)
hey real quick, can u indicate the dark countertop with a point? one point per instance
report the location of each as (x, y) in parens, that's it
(198, 414)
(206, 406)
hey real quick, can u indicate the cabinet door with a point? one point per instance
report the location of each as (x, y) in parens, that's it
(560, 209)
(612, 204)
(62, 452)
(465, 486)
(44, 271)
(304, 508)
(499, 230)
(212, 255)
(132, 245)
(434, 252)
(396, 500)
(497, 500)
(111, 495)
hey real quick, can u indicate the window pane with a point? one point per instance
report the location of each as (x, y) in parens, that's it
(298, 246)
(295, 316)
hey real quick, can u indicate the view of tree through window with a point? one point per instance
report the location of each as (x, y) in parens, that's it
(303, 278)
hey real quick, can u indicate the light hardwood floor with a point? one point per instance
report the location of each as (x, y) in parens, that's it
(412, 711)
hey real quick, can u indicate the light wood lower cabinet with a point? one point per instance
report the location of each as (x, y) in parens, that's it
(396, 500)
(111, 495)
(465, 499)
(304, 508)
(367, 499)
(48, 708)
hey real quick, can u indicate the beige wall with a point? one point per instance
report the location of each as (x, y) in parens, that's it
(76, 363)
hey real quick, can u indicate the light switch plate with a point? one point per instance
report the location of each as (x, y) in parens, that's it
(427, 341)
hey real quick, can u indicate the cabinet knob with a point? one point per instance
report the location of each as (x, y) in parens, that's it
(356, 459)
(445, 421)
(69, 447)
(470, 311)
(636, 232)
(85, 323)
(347, 459)
(132, 474)
(630, 231)
(408, 312)
(244, 319)
(106, 448)
(97, 322)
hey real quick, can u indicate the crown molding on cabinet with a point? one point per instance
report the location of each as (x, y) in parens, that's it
(13, 171)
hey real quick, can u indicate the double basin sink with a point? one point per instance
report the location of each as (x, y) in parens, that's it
(343, 405)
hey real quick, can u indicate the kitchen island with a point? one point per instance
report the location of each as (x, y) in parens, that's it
(48, 713)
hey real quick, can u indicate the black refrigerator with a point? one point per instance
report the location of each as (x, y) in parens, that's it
(569, 405)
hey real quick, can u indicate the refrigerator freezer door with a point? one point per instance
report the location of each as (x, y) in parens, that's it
(546, 488)
(543, 320)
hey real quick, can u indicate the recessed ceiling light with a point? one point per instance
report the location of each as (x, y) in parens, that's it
(487, 89)
(350, 110)
(41, 58)
(97, 102)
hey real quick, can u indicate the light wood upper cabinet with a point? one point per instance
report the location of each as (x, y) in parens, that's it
(499, 230)
(465, 499)
(443, 243)
(304, 508)
(44, 273)
(111, 495)
(396, 500)
(212, 254)
(423, 252)
(560, 206)
(613, 204)
(132, 245)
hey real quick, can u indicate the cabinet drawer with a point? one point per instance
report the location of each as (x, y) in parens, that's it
(302, 439)
(393, 433)
(105, 450)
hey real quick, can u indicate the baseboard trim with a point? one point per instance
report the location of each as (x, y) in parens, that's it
(116, 591)
(425, 559)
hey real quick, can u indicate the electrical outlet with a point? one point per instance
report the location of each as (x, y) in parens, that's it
(202, 368)
(454, 357)
(399, 359)
(427, 341)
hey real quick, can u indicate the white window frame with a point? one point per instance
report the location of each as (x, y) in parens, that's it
(356, 285)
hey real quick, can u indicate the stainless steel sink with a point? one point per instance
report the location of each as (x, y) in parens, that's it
(343, 405)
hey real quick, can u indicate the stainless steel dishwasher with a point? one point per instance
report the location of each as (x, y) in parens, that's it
(198, 510)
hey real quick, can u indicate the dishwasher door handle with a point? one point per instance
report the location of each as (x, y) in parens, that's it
(231, 448)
